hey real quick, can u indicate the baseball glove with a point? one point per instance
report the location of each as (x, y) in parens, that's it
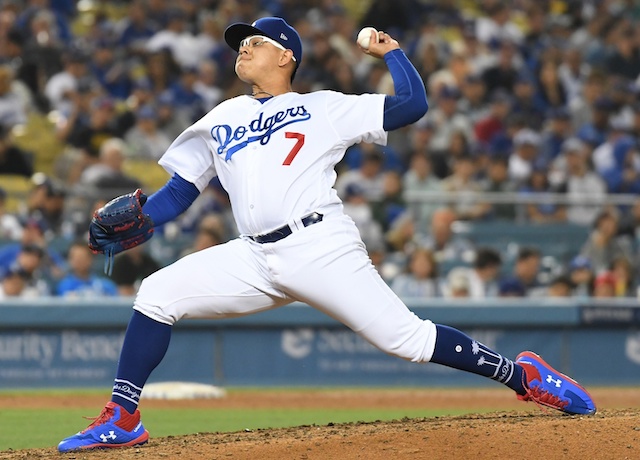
(119, 225)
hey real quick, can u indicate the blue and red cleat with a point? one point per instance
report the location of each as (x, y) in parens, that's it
(114, 427)
(548, 387)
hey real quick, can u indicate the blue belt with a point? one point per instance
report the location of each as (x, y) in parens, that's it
(285, 231)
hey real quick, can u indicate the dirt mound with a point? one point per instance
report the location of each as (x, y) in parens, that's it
(609, 434)
(612, 433)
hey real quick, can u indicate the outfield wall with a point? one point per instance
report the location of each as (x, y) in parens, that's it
(54, 343)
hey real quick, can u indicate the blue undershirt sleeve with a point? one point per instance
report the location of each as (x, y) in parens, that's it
(409, 103)
(171, 200)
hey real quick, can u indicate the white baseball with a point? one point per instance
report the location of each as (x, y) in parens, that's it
(365, 35)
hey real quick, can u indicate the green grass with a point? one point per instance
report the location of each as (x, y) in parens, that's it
(37, 428)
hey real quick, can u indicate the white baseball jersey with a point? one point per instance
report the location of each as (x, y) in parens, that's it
(276, 160)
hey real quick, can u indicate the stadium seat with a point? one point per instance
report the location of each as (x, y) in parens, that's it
(151, 174)
(17, 188)
(560, 241)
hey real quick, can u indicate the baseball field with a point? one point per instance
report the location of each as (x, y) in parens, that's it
(325, 424)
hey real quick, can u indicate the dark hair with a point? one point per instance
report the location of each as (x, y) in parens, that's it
(528, 252)
(487, 257)
(563, 279)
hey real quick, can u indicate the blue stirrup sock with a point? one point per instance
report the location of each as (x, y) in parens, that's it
(459, 351)
(145, 344)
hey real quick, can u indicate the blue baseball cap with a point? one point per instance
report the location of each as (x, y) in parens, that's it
(275, 28)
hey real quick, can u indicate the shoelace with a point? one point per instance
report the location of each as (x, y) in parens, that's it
(544, 398)
(104, 416)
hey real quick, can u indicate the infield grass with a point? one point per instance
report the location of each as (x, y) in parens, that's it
(35, 428)
(26, 428)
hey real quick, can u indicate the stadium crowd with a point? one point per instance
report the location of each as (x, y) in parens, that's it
(536, 101)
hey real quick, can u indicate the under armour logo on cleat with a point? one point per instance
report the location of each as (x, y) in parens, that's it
(105, 437)
(551, 379)
(283, 36)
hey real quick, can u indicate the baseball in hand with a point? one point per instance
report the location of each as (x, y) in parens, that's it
(365, 35)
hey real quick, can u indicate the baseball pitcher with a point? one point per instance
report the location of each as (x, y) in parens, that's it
(274, 151)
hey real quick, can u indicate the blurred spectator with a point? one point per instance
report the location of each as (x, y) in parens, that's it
(527, 101)
(389, 16)
(135, 28)
(523, 159)
(369, 176)
(25, 72)
(441, 239)
(582, 106)
(463, 185)
(421, 277)
(556, 131)
(483, 274)
(34, 233)
(207, 84)
(603, 245)
(29, 261)
(551, 92)
(86, 135)
(443, 161)
(42, 53)
(13, 106)
(582, 275)
(511, 288)
(145, 140)
(625, 58)
(447, 119)
(621, 170)
(604, 286)
(62, 87)
(211, 231)
(80, 281)
(13, 284)
(625, 276)
(112, 73)
(176, 38)
(473, 102)
(107, 176)
(457, 283)
(391, 205)
(495, 121)
(523, 281)
(420, 178)
(542, 211)
(130, 268)
(595, 130)
(573, 72)
(161, 70)
(357, 207)
(10, 227)
(498, 25)
(169, 121)
(560, 286)
(212, 200)
(45, 204)
(185, 97)
(629, 224)
(611, 155)
(497, 181)
(503, 75)
(415, 139)
(580, 184)
(13, 160)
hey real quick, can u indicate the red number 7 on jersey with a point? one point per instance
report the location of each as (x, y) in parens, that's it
(296, 148)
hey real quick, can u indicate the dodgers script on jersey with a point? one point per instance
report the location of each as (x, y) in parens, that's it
(268, 154)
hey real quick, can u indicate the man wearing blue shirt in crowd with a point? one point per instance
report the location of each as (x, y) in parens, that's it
(80, 281)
